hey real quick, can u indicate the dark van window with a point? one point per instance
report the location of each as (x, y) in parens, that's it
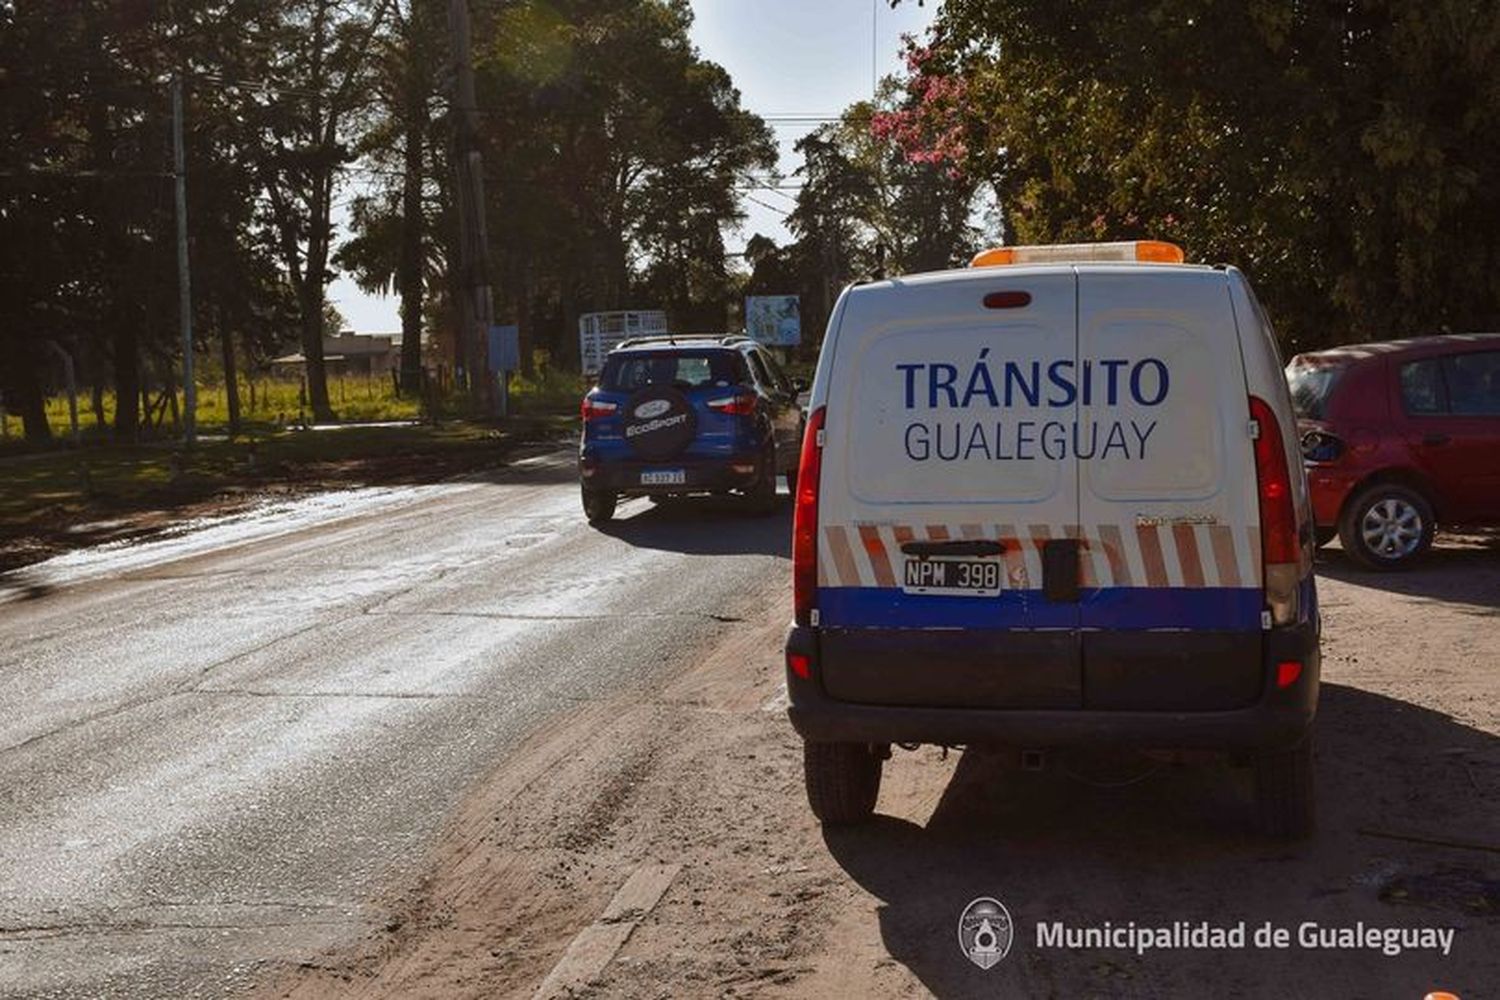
(1473, 383)
(1311, 386)
(629, 372)
(1422, 387)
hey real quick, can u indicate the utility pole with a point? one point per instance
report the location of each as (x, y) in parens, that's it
(476, 307)
(184, 278)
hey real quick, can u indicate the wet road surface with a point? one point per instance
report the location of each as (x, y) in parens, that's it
(216, 749)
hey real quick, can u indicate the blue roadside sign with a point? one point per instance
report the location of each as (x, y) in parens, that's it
(505, 348)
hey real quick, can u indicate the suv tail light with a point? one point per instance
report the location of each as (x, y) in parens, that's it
(1280, 541)
(740, 404)
(805, 521)
(597, 409)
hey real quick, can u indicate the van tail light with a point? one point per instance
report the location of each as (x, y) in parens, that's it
(805, 521)
(1287, 672)
(597, 409)
(740, 404)
(1280, 544)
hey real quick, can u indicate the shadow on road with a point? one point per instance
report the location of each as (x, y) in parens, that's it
(1459, 573)
(710, 526)
(23, 584)
(1176, 847)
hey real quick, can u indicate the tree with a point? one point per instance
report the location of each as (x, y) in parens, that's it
(86, 220)
(615, 151)
(865, 203)
(322, 52)
(1344, 155)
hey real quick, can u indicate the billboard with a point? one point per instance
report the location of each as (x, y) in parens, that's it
(598, 333)
(774, 319)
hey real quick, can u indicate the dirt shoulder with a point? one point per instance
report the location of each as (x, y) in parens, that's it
(659, 844)
(56, 501)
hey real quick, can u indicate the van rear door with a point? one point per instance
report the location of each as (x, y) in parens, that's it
(1167, 495)
(949, 494)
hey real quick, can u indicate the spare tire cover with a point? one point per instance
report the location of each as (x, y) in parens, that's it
(659, 422)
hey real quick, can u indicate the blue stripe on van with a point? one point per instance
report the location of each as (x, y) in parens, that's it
(1122, 608)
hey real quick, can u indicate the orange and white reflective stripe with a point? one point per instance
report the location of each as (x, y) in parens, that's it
(1145, 555)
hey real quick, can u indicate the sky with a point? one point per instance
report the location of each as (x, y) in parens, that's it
(790, 59)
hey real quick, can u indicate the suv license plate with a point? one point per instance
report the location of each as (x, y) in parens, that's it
(961, 577)
(664, 477)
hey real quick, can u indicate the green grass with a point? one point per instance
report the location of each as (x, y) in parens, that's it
(551, 391)
(279, 402)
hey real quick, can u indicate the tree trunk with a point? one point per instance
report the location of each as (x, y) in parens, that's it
(96, 400)
(231, 375)
(412, 236)
(128, 386)
(26, 388)
(310, 298)
(524, 334)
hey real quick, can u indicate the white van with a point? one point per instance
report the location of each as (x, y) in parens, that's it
(1053, 500)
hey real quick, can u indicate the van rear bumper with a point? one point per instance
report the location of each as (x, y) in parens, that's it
(1277, 717)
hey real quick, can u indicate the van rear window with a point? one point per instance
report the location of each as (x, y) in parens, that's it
(685, 370)
(1311, 386)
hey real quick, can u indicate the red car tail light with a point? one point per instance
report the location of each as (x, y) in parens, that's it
(805, 521)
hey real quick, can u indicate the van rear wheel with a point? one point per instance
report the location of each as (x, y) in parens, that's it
(843, 781)
(1285, 804)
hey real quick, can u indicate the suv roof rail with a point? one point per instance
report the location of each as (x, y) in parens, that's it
(723, 339)
(664, 338)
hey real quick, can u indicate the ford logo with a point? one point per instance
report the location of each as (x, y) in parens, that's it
(652, 408)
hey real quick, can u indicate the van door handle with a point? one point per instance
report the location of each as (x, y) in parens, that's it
(980, 547)
(1436, 439)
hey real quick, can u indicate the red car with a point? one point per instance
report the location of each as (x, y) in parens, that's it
(1399, 437)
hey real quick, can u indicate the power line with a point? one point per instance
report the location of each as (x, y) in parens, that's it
(768, 207)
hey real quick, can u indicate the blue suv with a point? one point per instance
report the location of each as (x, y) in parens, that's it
(674, 416)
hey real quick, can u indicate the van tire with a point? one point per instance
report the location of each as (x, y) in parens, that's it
(843, 781)
(1285, 803)
(599, 505)
(1368, 503)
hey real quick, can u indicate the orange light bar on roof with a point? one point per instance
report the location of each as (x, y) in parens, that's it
(1147, 251)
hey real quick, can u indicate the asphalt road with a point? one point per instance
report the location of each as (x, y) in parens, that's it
(216, 749)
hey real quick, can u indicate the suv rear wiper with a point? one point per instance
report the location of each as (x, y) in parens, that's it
(960, 547)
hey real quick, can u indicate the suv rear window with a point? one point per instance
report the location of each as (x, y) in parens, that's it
(685, 370)
(1311, 386)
